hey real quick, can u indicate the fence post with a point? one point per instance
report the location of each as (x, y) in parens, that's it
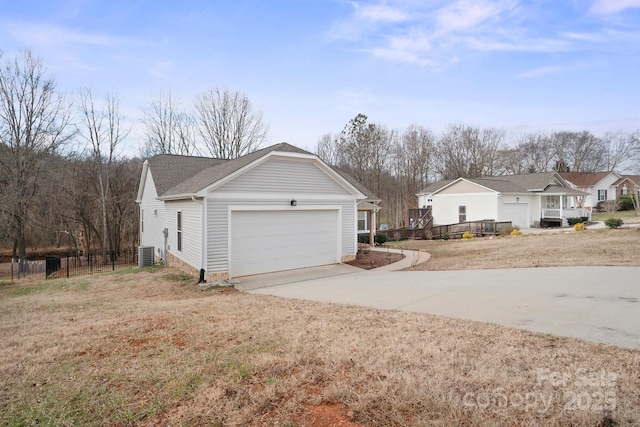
(113, 261)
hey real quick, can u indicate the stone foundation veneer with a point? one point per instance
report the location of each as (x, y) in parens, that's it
(347, 258)
(174, 261)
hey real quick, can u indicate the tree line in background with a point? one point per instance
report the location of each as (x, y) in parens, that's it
(397, 165)
(64, 181)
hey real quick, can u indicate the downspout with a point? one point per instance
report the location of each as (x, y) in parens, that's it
(203, 239)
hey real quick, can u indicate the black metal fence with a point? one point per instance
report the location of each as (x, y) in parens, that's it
(72, 264)
(77, 264)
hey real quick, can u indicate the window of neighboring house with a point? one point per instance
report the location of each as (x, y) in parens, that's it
(624, 191)
(362, 221)
(179, 228)
(602, 195)
(462, 214)
(142, 220)
(553, 202)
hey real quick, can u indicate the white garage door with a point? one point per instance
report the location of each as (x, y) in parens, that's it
(517, 213)
(266, 241)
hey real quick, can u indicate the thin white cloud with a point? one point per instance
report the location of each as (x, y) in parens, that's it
(608, 7)
(541, 71)
(45, 35)
(379, 13)
(431, 32)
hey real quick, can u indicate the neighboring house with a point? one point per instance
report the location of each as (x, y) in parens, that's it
(278, 208)
(525, 200)
(627, 185)
(599, 186)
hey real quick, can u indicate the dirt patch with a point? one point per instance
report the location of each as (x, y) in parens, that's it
(368, 259)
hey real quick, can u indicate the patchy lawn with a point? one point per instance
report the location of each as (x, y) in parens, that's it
(556, 248)
(150, 348)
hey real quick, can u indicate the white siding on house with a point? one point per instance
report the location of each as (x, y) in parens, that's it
(300, 175)
(154, 217)
(191, 231)
(478, 207)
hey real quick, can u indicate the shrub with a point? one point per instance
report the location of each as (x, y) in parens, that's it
(626, 203)
(579, 226)
(445, 236)
(378, 239)
(575, 220)
(613, 222)
(584, 218)
(467, 235)
(516, 232)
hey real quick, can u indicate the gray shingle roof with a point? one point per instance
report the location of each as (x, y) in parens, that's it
(538, 182)
(169, 169)
(176, 175)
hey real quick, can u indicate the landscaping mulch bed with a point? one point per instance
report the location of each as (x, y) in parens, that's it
(368, 259)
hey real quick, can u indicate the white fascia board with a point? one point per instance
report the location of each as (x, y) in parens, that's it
(230, 195)
(143, 179)
(184, 196)
(464, 179)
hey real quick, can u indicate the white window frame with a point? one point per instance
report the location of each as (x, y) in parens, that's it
(462, 213)
(362, 216)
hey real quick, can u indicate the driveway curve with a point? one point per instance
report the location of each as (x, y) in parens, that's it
(594, 303)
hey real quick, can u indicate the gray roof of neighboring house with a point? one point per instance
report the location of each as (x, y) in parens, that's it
(538, 182)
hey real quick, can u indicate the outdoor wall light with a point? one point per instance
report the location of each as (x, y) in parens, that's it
(517, 199)
(294, 202)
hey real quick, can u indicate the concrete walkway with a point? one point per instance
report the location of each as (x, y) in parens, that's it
(594, 303)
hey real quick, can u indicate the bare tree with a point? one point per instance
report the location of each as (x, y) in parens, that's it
(34, 123)
(168, 129)
(228, 124)
(102, 132)
(621, 150)
(579, 151)
(469, 152)
(328, 149)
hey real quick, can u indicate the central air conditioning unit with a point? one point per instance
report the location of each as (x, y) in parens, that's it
(145, 256)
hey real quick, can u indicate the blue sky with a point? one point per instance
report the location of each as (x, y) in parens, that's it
(311, 65)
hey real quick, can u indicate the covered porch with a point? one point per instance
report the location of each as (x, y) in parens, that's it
(557, 208)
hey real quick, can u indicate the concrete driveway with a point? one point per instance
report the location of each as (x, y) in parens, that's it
(594, 303)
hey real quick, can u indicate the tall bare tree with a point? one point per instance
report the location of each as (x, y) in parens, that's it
(228, 124)
(34, 122)
(168, 128)
(102, 132)
(469, 152)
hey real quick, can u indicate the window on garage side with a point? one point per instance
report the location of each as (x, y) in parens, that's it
(142, 220)
(462, 214)
(179, 228)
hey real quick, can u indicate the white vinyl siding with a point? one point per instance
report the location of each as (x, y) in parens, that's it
(446, 207)
(299, 176)
(191, 215)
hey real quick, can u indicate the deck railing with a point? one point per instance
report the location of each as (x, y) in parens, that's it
(557, 213)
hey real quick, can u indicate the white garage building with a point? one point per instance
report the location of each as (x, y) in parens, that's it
(525, 200)
(276, 209)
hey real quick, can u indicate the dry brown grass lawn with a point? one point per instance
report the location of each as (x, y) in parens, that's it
(151, 349)
(558, 248)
